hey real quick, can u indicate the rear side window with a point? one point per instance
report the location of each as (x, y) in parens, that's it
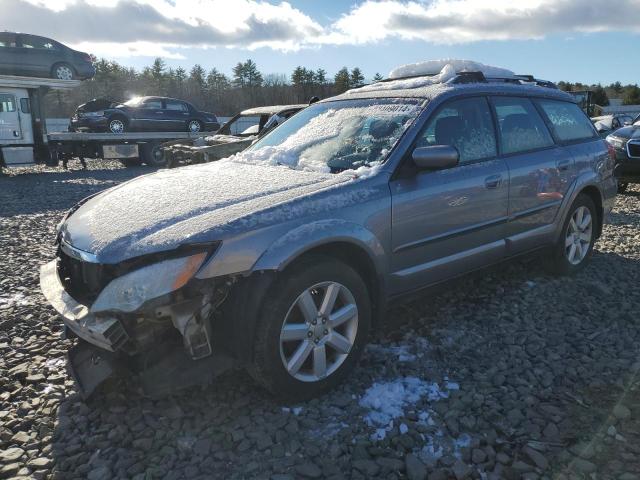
(7, 103)
(521, 127)
(179, 106)
(465, 124)
(38, 43)
(569, 123)
(152, 104)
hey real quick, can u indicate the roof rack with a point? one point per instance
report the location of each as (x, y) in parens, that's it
(479, 77)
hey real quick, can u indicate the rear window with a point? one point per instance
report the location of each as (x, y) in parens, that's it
(7, 103)
(521, 127)
(569, 123)
(244, 123)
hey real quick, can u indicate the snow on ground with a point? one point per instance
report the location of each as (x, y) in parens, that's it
(434, 67)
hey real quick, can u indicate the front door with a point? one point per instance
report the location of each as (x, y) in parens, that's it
(150, 116)
(10, 130)
(450, 221)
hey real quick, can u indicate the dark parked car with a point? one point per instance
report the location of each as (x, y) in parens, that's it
(143, 114)
(35, 56)
(626, 142)
(283, 258)
(233, 137)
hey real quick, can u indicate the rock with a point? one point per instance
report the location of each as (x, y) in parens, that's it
(37, 378)
(416, 470)
(9, 469)
(393, 464)
(143, 443)
(621, 412)
(202, 447)
(101, 472)
(536, 457)
(368, 467)
(21, 437)
(583, 466)
(478, 456)
(551, 431)
(461, 470)
(309, 470)
(11, 454)
(40, 463)
(628, 476)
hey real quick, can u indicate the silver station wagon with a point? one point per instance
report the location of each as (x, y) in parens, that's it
(282, 258)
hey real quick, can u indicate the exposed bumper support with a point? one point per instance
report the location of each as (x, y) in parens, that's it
(104, 332)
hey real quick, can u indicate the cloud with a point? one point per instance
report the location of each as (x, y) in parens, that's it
(120, 28)
(179, 23)
(465, 21)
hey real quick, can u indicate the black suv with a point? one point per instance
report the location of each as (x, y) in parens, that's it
(626, 142)
(143, 114)
(32, 55)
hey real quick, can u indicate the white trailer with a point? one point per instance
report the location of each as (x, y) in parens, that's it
(24, 139)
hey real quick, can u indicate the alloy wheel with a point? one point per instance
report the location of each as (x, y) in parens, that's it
(116, 126)
(64, 73)
(194, 126)
(579, 235)
(318, 331)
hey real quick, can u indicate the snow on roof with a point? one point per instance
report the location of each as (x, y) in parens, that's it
(435, 67)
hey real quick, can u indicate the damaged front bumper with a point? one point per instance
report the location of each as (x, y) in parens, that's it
(159, 364)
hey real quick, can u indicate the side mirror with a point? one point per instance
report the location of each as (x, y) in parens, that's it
(435, 157)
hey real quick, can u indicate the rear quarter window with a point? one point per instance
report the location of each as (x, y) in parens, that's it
(568, 122)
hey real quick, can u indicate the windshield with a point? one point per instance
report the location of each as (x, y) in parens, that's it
(336, 136)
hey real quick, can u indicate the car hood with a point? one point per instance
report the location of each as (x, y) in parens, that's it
(193, 204)
(95, 105)
(631, 131)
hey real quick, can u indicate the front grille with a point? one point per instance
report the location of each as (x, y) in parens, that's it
(83, 280)
(633, 149)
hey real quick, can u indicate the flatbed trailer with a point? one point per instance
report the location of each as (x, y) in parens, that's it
(129, 147)
(24, 139)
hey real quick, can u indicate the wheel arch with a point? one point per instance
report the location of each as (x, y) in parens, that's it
(62, 62)
(595, 195)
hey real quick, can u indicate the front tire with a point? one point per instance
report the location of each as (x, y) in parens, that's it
(117, 125)
(574, 248)
(313, 326)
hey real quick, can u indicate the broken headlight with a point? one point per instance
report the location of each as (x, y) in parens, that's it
(129, 292)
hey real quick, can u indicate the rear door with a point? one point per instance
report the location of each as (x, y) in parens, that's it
(10, 131)
(10, 62)
(38, 54)
(540, 171)
(176, 114)
(447, 222)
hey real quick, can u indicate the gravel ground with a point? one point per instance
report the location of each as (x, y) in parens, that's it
(511, 374)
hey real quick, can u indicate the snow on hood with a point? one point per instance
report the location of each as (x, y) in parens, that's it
(163, 210)
(433, 67)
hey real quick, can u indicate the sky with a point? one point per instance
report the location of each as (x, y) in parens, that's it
(592, 41)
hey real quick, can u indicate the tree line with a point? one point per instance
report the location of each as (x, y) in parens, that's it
(246, 87)
(211, 90)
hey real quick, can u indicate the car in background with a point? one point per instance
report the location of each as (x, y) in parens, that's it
(233, 137)
(88, 108)
(605, 124)
(143, 114)
(36, 56)
(626, 143)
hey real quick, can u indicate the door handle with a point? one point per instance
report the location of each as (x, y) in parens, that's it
(493, 181)
(563, 165)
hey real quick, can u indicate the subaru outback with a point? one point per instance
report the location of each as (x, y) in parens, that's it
(282, 258)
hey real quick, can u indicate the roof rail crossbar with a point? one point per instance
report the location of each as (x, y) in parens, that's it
(469, 77)
(519, 79)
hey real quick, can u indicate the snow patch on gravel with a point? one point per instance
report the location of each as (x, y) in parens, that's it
(387, 400)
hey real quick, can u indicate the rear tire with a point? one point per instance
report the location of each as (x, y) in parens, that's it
(153, 155)
(305, 342)
(194, 126)
(574, 248)
(622, 187)
(63, 71)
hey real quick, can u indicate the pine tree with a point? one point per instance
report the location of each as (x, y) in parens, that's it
(320, 77)
(599, 96)
(632, 96)
(342, 80)
(357, 78)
